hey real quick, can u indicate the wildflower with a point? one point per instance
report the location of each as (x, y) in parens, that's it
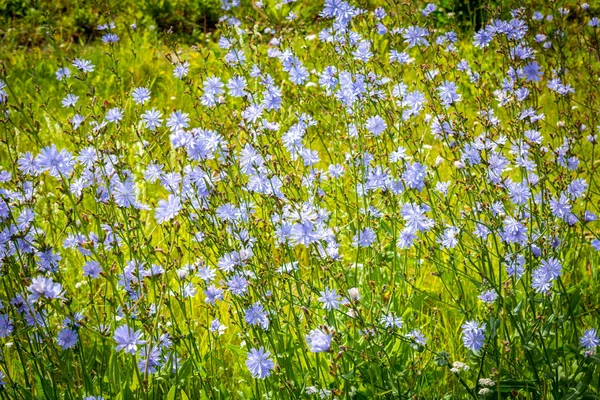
(482, 38)
(213, 294)
(70, 100)
(110, 38)
(414, 176)
(177, 120)
(415, 36)
(589, 340)
(458, 366)
(473, 336)
(127, 339)
(354, 294)
(256, 315)
(114, 115)
(514, 231)
(376, 125)
(429, 8)
(140, 95)
(365, 238)
(318, 341)
(389, 321)
(63, 73)
(83, 65)
(217, 326)
(417, 337)
(77, 120)
(401, 58)
(6, 326)
(259, 364)
(447, 93)
(489, 296)
(149, 359)
(44, 287)
(449, 238)
(55, 162)
(533, 72)
(414, 215)
(487, 382)
(67, 338)
(237, 86)
(152, 119)
(168, 209)
(238, 285)
(330, 299)
(541, 281)
(92, 269)
(516, 267)
(181, 69)
(552, 267)
(363, 51)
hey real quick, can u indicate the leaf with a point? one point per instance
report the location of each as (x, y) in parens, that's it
(171, 394)
(517, 309)
(185, 370)
(508, 385)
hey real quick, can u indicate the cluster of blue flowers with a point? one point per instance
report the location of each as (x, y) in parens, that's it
(324, 204)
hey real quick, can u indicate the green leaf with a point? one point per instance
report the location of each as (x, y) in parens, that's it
(171, 394)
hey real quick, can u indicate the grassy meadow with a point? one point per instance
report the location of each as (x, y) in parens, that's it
(278, 200)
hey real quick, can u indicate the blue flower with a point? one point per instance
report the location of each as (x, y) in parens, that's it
(414, 176)
(110, 38)
(415, 36)
(541, 281)
(418, 337)
(63, 73)
(259, 364)
(449, 238)
(127, 339)
(167, 209)
(514, 231)
(149, 359)
(181, 69)
(6, 325)
(114, 115)
(448, 94)
(67, 338)
(365, 238)
(140, 95)
(414, 215)
(152, 119)
(318, 341)
(238, 285)
(363, 51)
(389, 321)
(70, 100)
(482, 38)
(83, 65)
(376, 125)
(489, 296)
(213, 294)
(473, 335)
(330, 299)
(533, 72)
(237, 86)
(55, 162)
(44, 287)
(256, 315)
(589, 340)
